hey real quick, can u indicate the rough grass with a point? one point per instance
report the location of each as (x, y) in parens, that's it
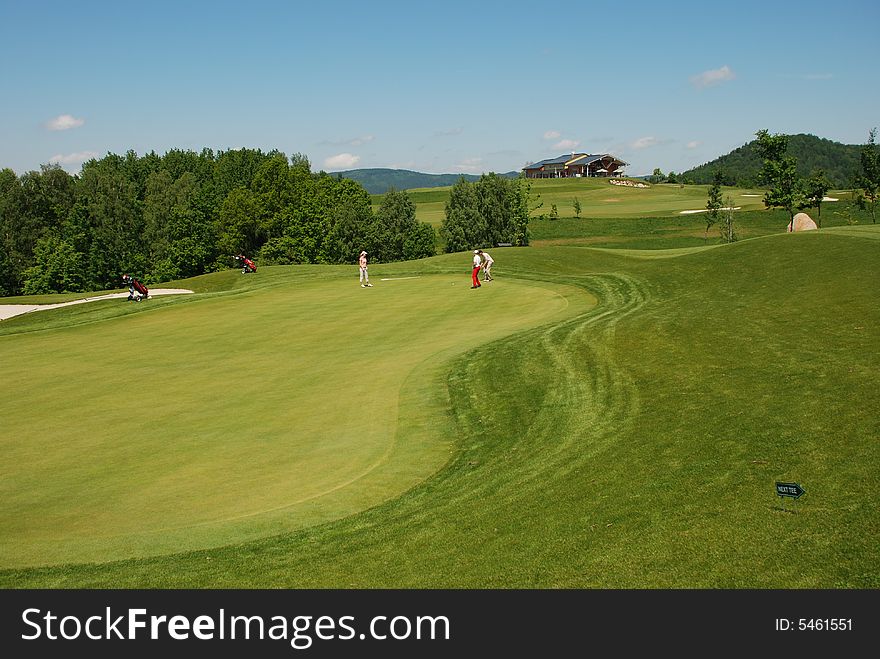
(635, 444)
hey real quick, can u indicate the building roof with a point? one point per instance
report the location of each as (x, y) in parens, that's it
(560, 160)
(574, 159)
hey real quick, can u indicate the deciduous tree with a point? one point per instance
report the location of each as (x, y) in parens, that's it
(869, 178)
(815, 189)
(779, 172)
(714, 204)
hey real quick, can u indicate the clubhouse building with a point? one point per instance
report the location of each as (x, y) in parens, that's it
(576, 165)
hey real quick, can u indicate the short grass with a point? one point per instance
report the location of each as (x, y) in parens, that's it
(639, 218)
(655, 232)
(631, 444)
(230, 416)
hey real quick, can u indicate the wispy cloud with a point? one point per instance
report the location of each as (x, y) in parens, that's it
(450, 132)
(644, 143)
(712, 77)
(70, 159)
(567, 144)
(354, 141)
(506, 153)
(693, 144)
(552, 135)
(470, 165)
(341, 161)
(64, 122)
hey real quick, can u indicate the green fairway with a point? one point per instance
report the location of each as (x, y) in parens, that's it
(234, 416)
(660, 216)
(539, 441)
(598, 198)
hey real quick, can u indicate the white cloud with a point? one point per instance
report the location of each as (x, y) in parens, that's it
(470, 165)
(712, 77)
(341, 161)
(567, 144)
(72, 161)
(552, 135)
(644, 143)
(509, 154)
(452, 132)
(64, 122)
(693, 144)
(354, 141)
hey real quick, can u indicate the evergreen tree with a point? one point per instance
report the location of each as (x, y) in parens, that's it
(490, 211)
(395, 220)
(463, 227)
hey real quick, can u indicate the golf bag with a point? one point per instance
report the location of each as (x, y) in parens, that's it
(136, 290)
(246, 263)
(140, 288)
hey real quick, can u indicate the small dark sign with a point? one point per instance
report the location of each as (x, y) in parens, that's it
(793, 490)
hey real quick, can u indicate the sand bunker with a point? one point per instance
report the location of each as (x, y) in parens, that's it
(10, 310)
(706, 210)
(823, 198)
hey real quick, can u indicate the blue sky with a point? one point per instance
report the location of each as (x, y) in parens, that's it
(442, 87)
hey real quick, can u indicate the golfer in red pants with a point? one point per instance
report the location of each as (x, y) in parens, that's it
(478, 261)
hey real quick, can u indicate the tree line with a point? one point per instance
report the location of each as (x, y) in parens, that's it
(185, 213)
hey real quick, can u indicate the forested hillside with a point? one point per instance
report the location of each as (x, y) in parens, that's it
(741, 166)
(379, 181)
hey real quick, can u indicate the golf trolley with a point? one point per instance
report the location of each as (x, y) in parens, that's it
(247, 264)
(136, 290)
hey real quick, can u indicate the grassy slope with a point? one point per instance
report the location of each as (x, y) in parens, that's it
(634, 445)
(639, 218)
(232, 416)
(598, 198)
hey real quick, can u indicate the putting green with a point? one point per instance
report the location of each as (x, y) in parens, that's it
(238, 416)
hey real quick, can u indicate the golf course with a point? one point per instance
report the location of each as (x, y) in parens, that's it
(612, 411)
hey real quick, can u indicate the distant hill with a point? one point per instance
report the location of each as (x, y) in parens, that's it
(379, 181)
(741, 166)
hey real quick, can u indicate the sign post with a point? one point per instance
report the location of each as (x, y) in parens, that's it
(792, 490)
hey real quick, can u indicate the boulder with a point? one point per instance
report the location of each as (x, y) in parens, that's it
(802, 222)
